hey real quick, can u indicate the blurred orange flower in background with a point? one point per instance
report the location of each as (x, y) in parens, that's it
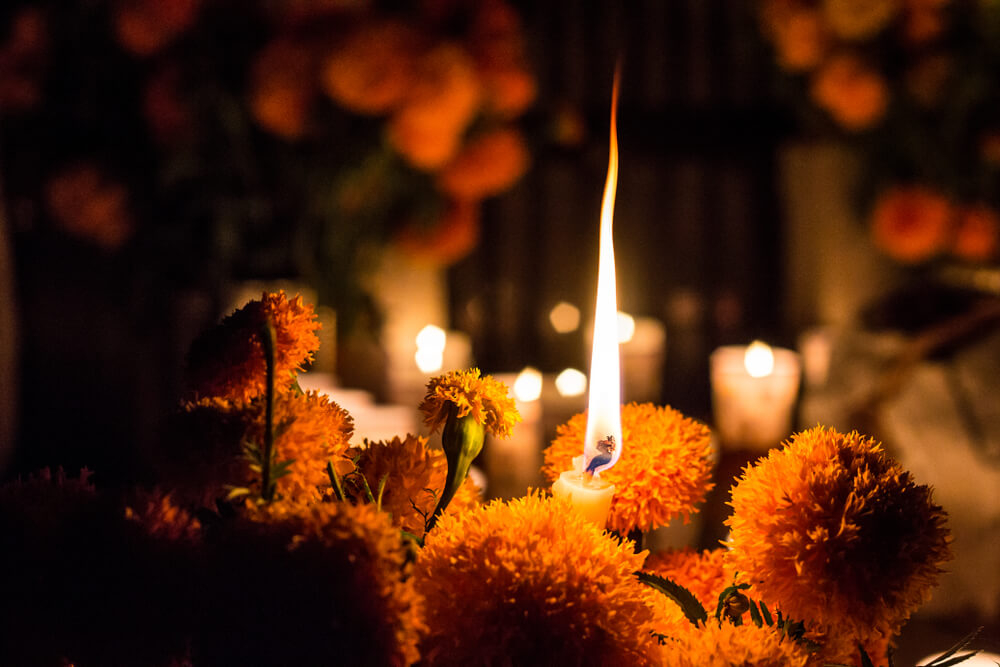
(487, 165)
(497, 44)
(371, 70)
(853, 93)
(800, 39)
(977, 235)
(87, 204)
(22, 59)
(146, 26)
(447, 240)
(926, 80)
(439, 105)
(166, 111)
(282, 87)
(924, 20)
(859, 19)
(911, 224)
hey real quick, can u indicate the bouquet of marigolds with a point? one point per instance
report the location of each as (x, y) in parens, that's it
(913, 86)
(271, 538)
(223, 138)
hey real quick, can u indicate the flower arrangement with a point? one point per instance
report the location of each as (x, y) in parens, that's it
(301, 547)
(261, 139)
(912, 85)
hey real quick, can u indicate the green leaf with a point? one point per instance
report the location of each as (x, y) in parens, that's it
(755, 614)
(684, 598)
(281, 469)
(237, 492)
(381, 490)
(961, 644)
(338, 490)
(368, 489)
(766, 613)
(407, 535)
(282, 427)
(865, 660)
(954, 660)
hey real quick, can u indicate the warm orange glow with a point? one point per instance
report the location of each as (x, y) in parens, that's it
(604, 400)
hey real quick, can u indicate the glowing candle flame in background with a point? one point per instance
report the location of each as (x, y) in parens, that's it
(759, 359)
(604, 400)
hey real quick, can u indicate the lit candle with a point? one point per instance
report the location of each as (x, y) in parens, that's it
(514, 463)
(582, 486)
(753, 394)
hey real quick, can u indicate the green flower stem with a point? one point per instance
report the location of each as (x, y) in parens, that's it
(335, 481)
(268, 336)
(462, 440)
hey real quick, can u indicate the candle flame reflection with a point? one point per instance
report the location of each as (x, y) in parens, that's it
(604, 400)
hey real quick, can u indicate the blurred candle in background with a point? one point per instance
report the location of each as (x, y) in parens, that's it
(754, 389)
(515, 464)
(642, 360)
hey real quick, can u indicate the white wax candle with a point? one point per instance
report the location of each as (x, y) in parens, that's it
(589, 496)
(753, 412)
(514, 463)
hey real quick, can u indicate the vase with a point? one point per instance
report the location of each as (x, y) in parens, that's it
(832, 269)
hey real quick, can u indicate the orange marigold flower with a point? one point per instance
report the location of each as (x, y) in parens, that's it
(343, 593)
(146, 26)
(228, 360)
(927, 79)
(43, 500)
(531, 582)
(837, 534)
(310, 431)
(487, 165)
(484, 397)
(282, 87)
(665, 467)
(168, 116)
(204, 453)
(370, 72)
(497, 44)
(800, 39)
(855, 95)
(989, 148)
(160, 517)
(703, 573)
(448, 240)
(442, 99)
(859, 19)
(425, 145)
(977, 236)
(89, 205)
(924, 21)
(729, 645)
(414, 479)
(911, 224)
(22, 60)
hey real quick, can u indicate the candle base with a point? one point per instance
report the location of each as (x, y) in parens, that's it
(591, 497)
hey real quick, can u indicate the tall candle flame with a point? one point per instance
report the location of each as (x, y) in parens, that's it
(604, 400)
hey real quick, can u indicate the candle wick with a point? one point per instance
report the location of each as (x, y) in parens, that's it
(605, 449)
